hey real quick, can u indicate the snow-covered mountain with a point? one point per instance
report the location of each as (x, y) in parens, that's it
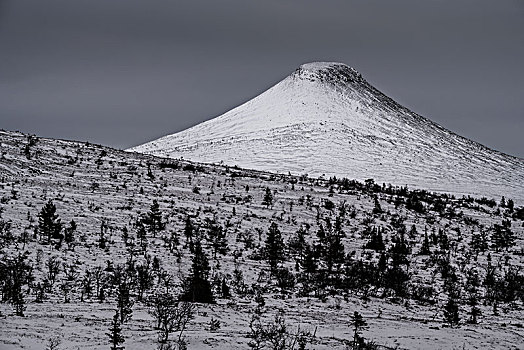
(326, 119)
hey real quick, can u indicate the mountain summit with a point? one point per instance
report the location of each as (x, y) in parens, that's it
(326, 119)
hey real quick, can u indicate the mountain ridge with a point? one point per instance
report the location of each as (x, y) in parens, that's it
(326, 119)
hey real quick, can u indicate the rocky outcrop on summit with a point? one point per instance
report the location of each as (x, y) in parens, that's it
(326, 119)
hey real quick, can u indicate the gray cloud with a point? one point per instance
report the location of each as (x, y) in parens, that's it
(123, 72)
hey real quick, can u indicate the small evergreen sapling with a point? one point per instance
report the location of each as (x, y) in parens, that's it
(359, 324)
(115, 333)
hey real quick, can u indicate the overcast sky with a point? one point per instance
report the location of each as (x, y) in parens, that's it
(122, 72)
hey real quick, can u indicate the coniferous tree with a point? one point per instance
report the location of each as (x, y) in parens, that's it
(377, 208)
(376, 241)
(102, 240)
(124, 301)
(413, 233)
(268, 198)
(359, 324)
(141, 234)
(217, 237)
(15, 273)
(274, 249)
(153, 219)
(474, 310)
(399, 250)
(69, 232)
(451, 308)
(144, 279)
(297, 245)
(115, 333)
(189, 231)
(197, 287)
(502, 236)
(335, 250)
(49, 224)
(425, 249)
(224, 289)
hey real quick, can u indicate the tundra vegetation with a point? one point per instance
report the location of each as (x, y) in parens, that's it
(106, 249)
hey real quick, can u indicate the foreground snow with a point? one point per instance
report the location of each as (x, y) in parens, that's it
(95, 185)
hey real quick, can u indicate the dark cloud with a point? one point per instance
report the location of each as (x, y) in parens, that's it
(122, 72)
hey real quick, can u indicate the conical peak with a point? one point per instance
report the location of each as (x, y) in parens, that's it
(329, 72)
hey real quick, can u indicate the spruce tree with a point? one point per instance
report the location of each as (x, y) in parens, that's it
(377, 208)
(189, 231)
(451, 308)
(359, 324)
(425, 249)
(197, 287)
(376, 241)
(268, 198)
(335, 250)
(124, 302)
(217, 237)
(274, 249)
(153, 219)
(69, 232)
(115, 333)
(49, 224)
(502, 236)
(141, 234)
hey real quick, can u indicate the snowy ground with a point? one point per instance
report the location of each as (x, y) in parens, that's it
(110, 191)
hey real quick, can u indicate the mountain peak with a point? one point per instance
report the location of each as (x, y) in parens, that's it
(328, 72)
(326, 119)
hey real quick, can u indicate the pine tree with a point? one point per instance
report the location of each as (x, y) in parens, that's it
(217, 237)
(425, 249)
(189, 230)
(451, 308)
(124, 302)
(377, 208)
(298, 244)
(153, 219)
(115, 333)
(359, 324)
(197, 287)
(141, 234)
(274, 249)
(502, 236)
(69, 232)
(335, 250)
(475, 310)
(376, 241)
(268, 198)
(49, 224)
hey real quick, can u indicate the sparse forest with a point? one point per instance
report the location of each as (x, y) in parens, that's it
(105, 249)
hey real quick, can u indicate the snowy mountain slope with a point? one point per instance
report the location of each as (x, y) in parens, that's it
(325, 119)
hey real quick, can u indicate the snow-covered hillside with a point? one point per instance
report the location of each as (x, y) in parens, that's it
(425, 271)
(325, 119)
